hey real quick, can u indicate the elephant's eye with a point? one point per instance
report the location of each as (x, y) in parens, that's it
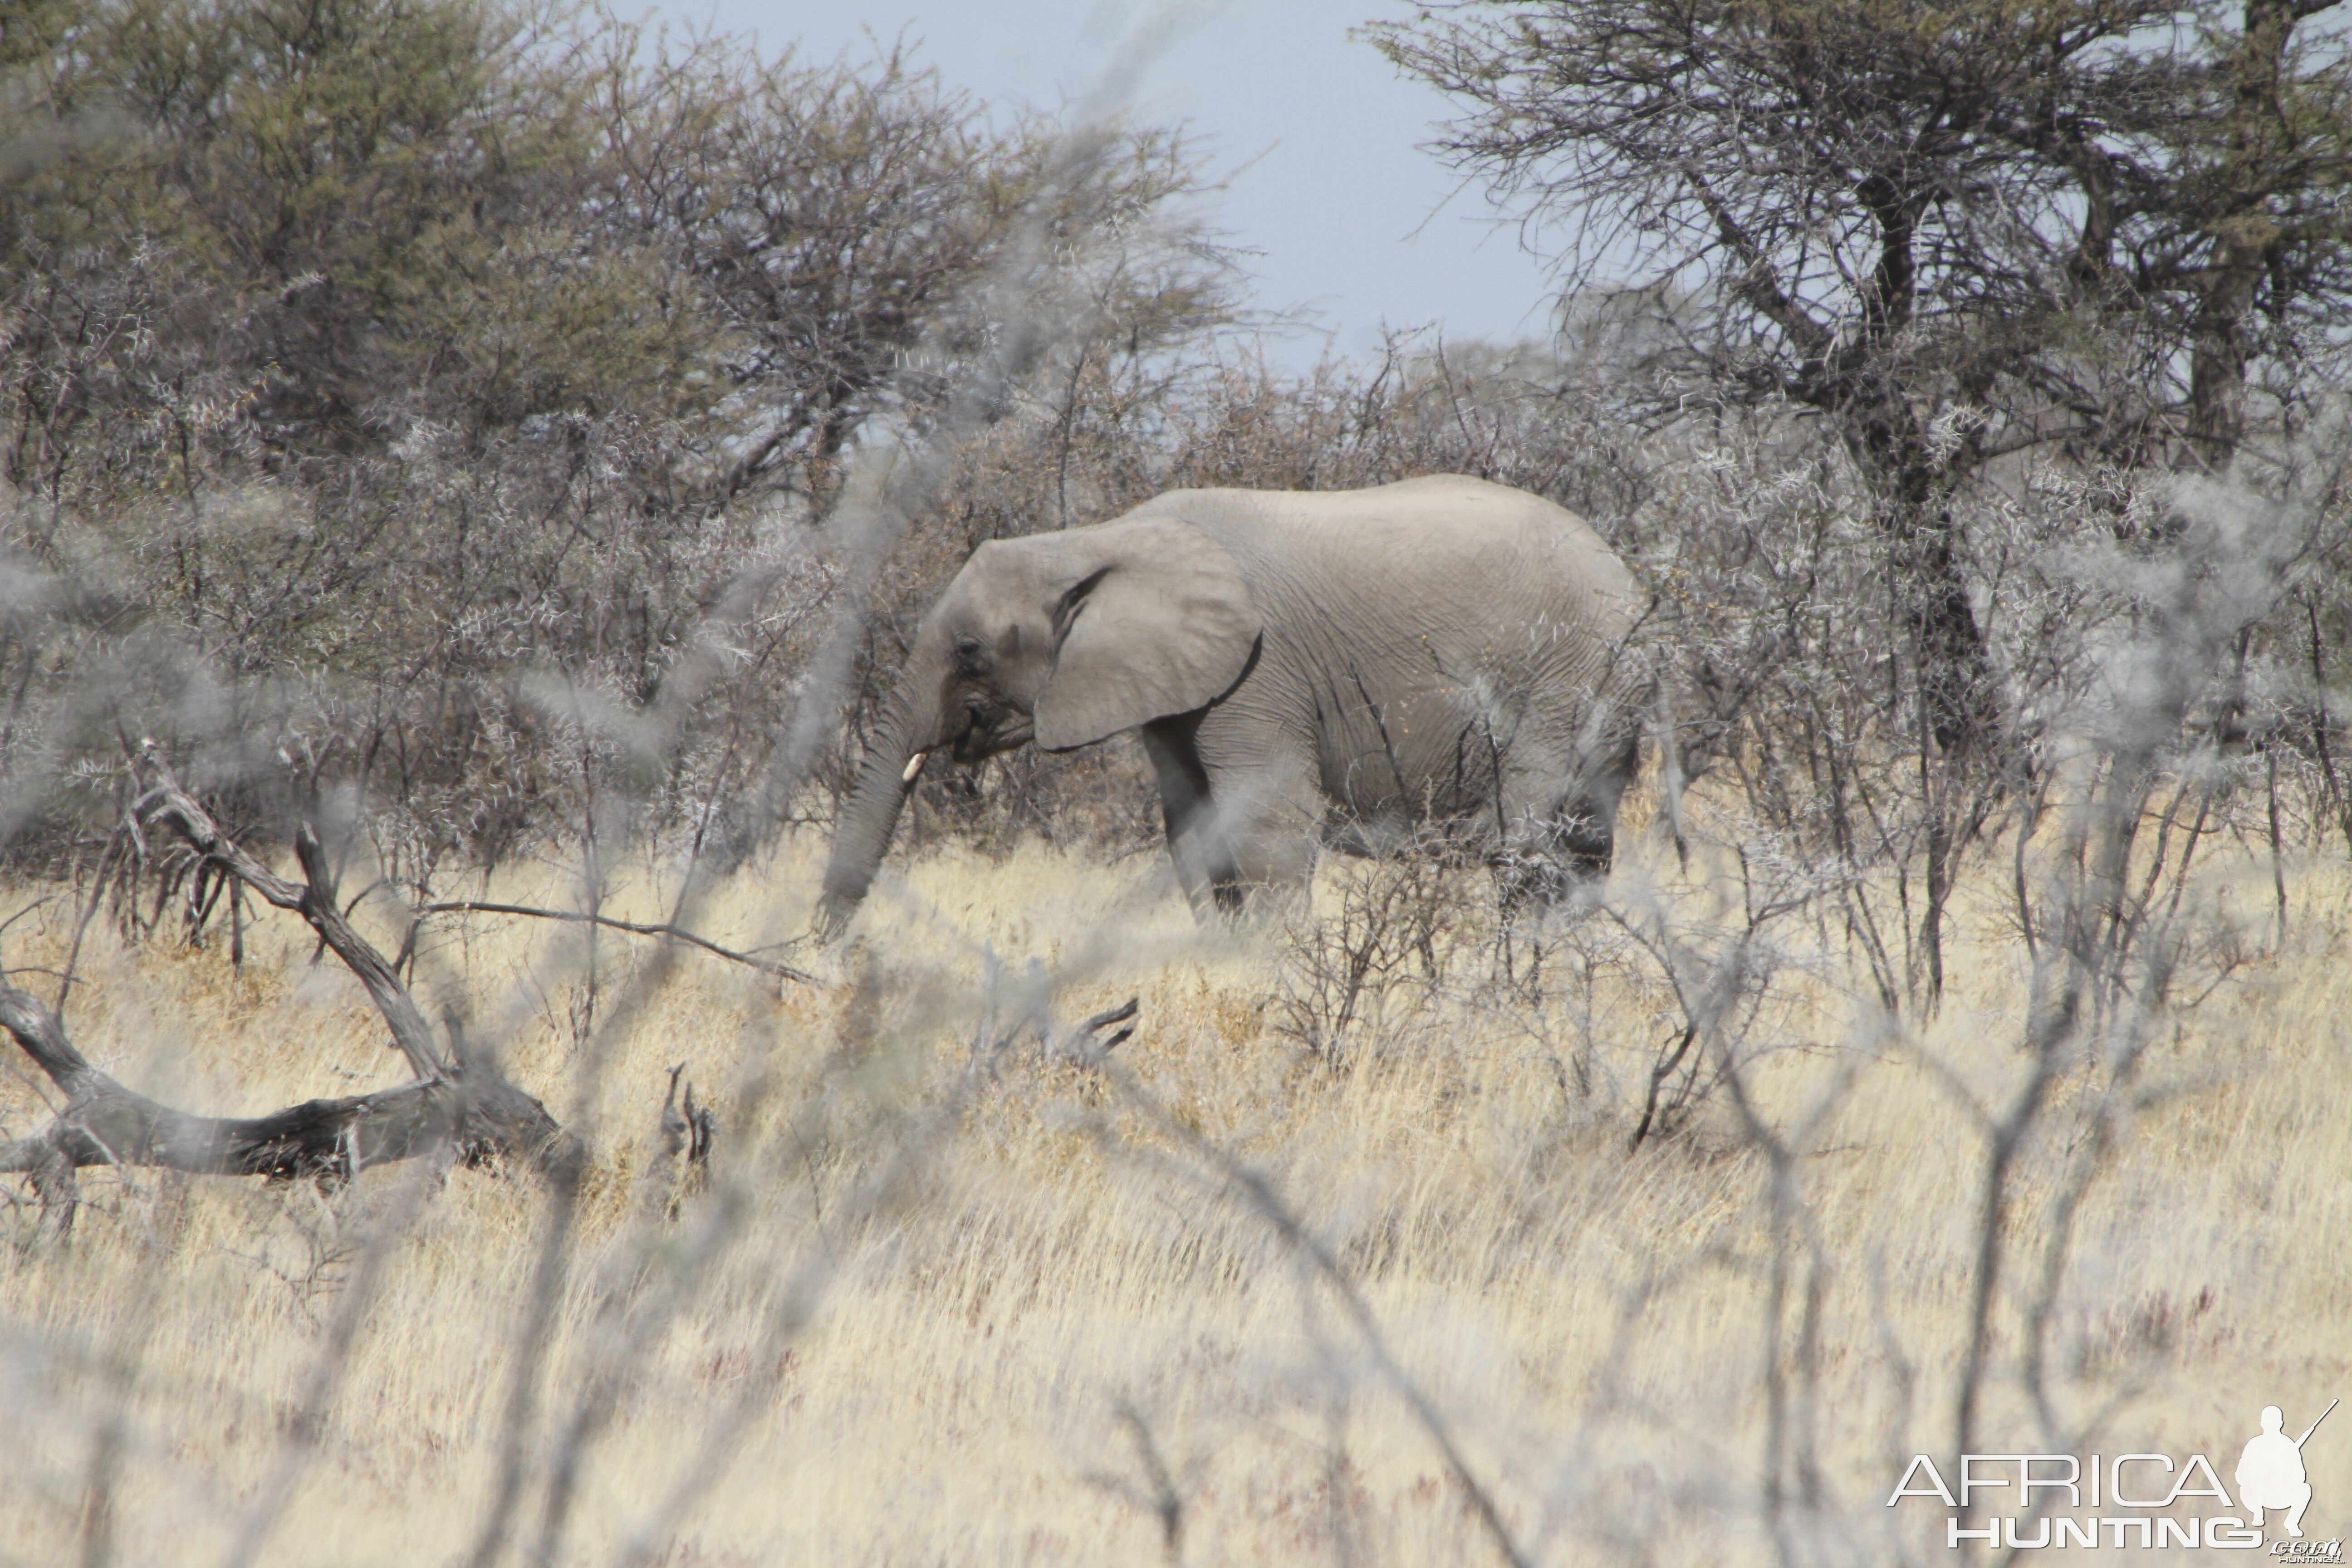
(969, 655)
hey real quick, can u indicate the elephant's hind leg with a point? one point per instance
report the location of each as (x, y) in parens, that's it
(1569, 842)
(1568, 851)
(1584, 838)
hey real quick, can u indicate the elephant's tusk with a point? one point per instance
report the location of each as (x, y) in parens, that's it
(914, 766)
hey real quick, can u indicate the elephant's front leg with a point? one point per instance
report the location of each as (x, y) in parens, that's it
(1242, 810)
(1184, 809)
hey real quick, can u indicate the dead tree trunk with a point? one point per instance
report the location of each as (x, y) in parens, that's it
(465, 1104)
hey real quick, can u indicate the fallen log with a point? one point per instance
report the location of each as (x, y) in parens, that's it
(104, 1124)
(460, 1103)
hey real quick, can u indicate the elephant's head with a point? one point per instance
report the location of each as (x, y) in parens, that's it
(1059, 638)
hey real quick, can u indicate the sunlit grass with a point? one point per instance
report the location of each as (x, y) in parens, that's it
(1588, 1316)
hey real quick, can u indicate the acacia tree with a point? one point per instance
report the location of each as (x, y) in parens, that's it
(1952, 231)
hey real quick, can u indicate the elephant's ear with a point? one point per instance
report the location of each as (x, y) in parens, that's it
(1160, 622)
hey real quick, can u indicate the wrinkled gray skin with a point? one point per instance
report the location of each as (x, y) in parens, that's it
(1325, 667)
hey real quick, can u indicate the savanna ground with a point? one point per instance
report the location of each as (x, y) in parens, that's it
(1068, 1328)
(1975, 1085)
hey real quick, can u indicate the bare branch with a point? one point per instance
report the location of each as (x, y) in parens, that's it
(316, 903)
(764, 965)
(495, 1114)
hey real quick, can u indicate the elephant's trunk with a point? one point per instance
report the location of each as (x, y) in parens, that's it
(867, 818)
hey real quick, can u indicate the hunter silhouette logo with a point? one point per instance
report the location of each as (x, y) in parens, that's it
(2020, 1501)
(2271, 1473)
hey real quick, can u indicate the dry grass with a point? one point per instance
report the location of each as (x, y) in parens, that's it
(1591, 1322)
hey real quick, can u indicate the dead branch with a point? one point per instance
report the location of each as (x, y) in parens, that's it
(764, 965)
(688, 1132)
(316, 903)
(493, 1115)
(1085, 1045)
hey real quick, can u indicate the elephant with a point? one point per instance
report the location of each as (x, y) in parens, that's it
(1307, 669)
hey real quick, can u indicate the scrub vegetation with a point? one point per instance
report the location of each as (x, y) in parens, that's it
(470, 473)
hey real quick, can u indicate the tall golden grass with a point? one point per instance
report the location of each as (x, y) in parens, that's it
(1058, 1332)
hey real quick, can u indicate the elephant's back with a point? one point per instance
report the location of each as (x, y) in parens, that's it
(1463, 554)
(1436, 646)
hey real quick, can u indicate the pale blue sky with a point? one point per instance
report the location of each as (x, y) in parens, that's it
(1351, 219)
